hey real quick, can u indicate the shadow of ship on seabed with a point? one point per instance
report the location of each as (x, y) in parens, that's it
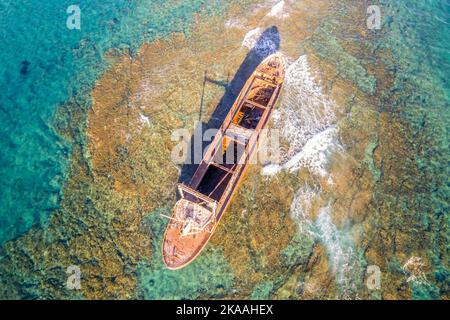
(267, 44)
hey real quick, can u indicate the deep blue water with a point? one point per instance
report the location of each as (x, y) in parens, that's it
(43, 64)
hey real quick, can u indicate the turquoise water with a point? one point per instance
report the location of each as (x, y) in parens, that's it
(209, 275)
(43, 64)
(418, 33)
(417, 36)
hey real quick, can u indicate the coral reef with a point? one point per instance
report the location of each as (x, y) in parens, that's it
(302, 230)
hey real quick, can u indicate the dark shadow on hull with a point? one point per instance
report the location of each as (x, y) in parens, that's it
(267, 44)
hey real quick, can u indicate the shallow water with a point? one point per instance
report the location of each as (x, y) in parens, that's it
(364, 114)
(44, 64)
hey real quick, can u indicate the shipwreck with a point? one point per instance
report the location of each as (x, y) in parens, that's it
(204, 200)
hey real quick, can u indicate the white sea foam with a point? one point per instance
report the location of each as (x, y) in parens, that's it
(343, 258)
(306, 120)
(278, 10)
(271, 169)
(251, 37)
(263, 42)
(263, 6)
(316, 153)
(305, 110)
(144, 119)
(301, 208)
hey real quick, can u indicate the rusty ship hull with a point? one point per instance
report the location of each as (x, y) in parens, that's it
(205, 199)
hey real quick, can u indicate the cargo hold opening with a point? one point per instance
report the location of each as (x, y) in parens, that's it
(248, 116)
(262, 95)
(214, 182)
(230, 153)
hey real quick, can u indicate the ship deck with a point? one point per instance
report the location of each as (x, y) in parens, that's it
(223, 166)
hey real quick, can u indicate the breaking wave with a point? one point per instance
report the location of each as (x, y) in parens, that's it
(277, 10)
(306, 120)
(263, 42)
(343, 258)
(305, 111)
(301, 208)
(314, 155)
(316, 152)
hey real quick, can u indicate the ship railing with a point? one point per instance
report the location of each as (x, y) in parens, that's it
(198, 197)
